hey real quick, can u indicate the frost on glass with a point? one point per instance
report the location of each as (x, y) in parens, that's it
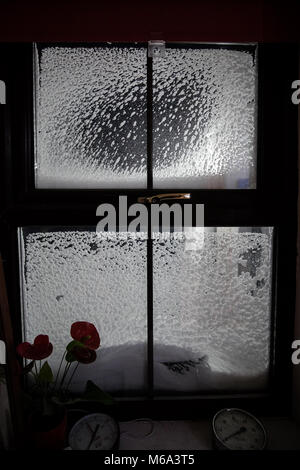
(72, 275)
(204, 118)
(90, 117)
(212, 310)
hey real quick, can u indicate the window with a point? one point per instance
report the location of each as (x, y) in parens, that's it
(206, 323)
(91, 117)
(209, 303)
(91, 110)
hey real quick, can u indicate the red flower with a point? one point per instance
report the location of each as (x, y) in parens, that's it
(86, 333)
(40, 349)
(84, 355)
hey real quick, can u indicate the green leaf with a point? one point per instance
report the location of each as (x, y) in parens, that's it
(94, 393)
(45, 375)
(67, 401)
(73, 344)
(69, 357)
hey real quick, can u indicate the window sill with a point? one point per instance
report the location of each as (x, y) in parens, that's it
(283, 434)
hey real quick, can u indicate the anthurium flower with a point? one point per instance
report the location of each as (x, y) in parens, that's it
(84, 355)
(86, 333)
(40, 349)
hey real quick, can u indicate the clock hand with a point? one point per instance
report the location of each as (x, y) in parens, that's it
(90, 428)
(93, 436)
(242, 429)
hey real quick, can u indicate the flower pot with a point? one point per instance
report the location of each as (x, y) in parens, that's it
(49, 432)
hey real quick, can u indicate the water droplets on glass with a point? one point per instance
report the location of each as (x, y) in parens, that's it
(90, 117)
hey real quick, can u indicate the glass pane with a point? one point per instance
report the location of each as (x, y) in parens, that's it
(73, 275)
(91, 117)
(212, 310)
(205, 118)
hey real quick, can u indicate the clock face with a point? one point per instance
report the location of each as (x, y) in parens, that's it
(94, 432)
(238, 430)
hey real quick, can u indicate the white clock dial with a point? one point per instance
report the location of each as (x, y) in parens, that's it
(236, 429)
(96, 431)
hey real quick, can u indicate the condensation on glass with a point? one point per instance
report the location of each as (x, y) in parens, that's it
(204, 112)
(212, 310)
(90, 117)
(70, 275)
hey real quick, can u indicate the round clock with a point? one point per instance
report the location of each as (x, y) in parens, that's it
(236, 429)
(96, 431)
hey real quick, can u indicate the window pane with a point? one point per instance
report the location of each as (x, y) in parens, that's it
(80, 275)
(91, 117)
(204, 118)
(212, 315)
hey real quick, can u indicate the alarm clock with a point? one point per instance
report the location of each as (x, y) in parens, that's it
(236, 429)
(96, 431)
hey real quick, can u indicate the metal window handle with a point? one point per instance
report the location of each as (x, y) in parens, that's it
(163, 197)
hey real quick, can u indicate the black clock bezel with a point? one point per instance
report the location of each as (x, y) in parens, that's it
(217, 441)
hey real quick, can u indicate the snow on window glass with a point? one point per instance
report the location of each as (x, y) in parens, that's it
(211, 304)
(205, 118)
(90, 117)
(80, 275)
(212, 310)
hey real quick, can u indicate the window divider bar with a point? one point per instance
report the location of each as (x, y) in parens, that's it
(273, 300)
(150, 310)
(149, 234)
(149, 123)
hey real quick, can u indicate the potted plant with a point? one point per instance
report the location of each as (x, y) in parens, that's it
(47, 397)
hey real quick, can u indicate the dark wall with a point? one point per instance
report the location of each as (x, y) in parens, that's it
(129, 20)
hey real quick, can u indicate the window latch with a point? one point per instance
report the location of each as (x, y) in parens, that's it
(163, 197)
(156, 48)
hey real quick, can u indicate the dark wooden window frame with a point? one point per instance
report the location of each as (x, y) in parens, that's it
(272, 203)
